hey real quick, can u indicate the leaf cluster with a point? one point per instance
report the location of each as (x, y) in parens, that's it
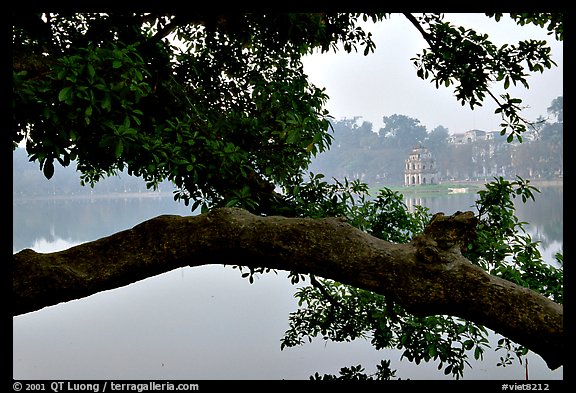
(341, 313)
(504, 248)
(337, 312)
(469, 61)
(384, 215)
(229, 113)
(356, 373)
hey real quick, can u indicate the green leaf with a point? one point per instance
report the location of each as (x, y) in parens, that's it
(118, 149)
(48, 169)
(196, 204)
(65, 94)
(91, 72)
(478, 353)
(107, 103)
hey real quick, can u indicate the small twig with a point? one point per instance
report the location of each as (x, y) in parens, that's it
(316, 284)
(418, 26)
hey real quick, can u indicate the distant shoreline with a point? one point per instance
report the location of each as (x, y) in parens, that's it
(460, 186)
(473, 185)
(540, 182)
(115, 195)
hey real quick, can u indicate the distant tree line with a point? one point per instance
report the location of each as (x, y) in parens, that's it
(378, 157)
(358, 152)
(28, 181)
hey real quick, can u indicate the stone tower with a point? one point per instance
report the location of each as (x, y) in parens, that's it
(420, 167)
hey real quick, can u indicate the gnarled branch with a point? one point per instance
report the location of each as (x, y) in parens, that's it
(428, 276)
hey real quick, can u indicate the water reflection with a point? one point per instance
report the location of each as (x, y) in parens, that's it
(199, 323)
(544, 216)
(56, 244)
(81, 220)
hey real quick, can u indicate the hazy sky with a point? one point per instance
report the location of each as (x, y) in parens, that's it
(385, 82)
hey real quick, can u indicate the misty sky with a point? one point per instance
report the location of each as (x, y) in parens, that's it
(385, 82)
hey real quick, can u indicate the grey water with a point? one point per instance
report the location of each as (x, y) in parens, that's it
(207, 322)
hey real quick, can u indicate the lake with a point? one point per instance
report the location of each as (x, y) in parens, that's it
(206, 322)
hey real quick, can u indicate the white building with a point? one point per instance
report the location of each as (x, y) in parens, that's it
(420, 167)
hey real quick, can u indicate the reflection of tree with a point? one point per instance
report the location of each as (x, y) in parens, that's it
(82, 219)
(548, 217)
(28, 181)
(440, 202)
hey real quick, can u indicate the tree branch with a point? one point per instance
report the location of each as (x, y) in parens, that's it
(418, 26)
(428, 276)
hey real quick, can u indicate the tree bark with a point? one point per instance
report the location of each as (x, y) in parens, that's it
(428, 276)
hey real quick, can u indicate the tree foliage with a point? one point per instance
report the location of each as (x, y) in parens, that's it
(470, 61)
(338, 312)
(219, 104)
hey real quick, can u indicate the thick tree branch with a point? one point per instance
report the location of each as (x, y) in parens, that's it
(428, 276)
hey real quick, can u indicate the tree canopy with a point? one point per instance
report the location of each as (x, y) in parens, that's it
(219, 104)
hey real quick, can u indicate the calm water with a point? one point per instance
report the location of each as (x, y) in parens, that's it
(544, 216)
(204, 323)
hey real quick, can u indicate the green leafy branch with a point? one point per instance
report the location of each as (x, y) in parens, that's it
(470, 61)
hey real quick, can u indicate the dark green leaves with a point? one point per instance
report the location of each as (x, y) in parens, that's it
(66, 95)
(504, 248)
(356, 373)
(553, 22)
(226, 121)
(48, 168)
(76, 120)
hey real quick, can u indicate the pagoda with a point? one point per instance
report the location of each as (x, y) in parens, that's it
(420, 167)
